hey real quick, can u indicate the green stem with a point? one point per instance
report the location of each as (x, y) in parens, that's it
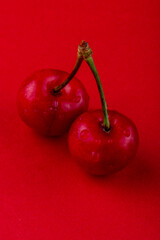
(83, 51)
(89, 60)
(72, 74)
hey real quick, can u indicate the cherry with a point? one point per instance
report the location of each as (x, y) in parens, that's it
(48, 110)
(103, 142)
(99, 151)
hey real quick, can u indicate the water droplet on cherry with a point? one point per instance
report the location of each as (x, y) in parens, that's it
(76, 99)
(84, 134)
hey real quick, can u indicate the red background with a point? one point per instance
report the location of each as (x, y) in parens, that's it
(43, 193)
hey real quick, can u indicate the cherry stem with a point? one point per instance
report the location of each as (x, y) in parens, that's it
(72, 74)
(86, 52)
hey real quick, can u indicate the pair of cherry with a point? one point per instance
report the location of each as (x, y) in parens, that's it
(102, 141)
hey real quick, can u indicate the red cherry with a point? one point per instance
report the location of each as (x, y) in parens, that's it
(102, 152)
(47, 112)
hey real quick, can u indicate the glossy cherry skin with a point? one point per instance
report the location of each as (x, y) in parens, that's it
(100, 152)
(48, 113)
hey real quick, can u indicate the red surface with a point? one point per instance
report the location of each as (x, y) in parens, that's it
(44, 194)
